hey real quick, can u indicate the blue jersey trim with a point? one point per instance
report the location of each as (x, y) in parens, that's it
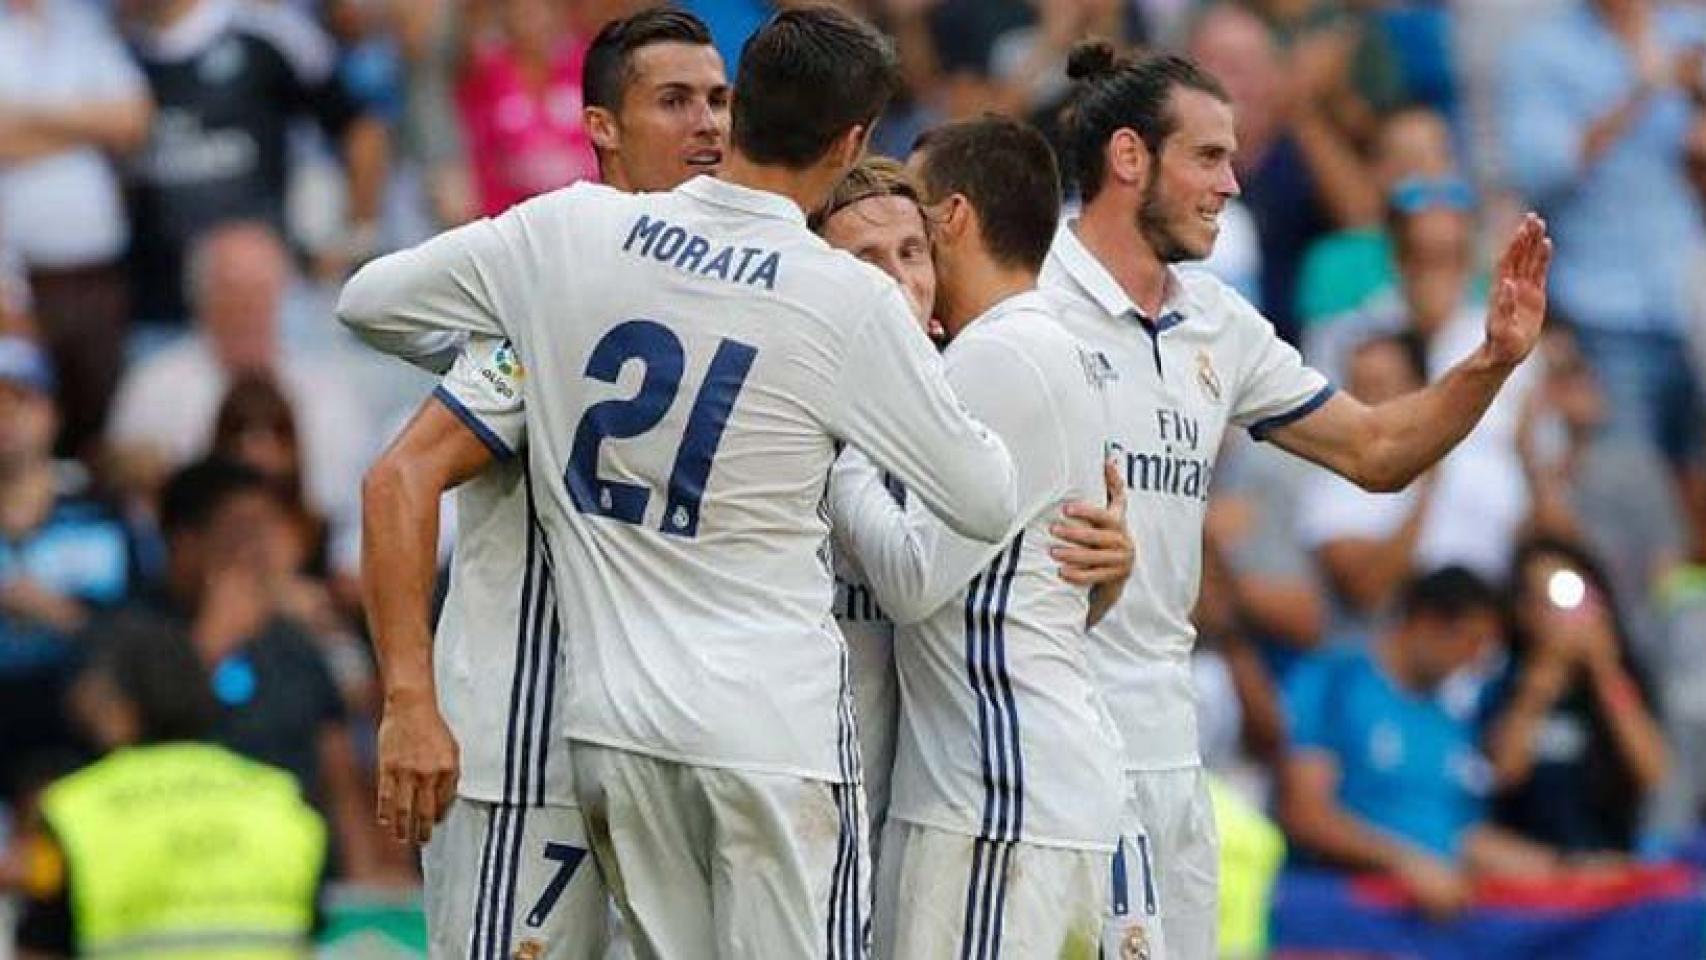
(1260, 430)
(473, 422)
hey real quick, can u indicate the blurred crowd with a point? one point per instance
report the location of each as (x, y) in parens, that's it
(1503, 667)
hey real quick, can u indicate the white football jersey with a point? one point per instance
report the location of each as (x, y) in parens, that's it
(869, 634)
(1004, 733)
(497, 655)
(1175, 383)
(692, 359)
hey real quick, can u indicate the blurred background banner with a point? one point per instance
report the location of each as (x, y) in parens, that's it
(1645, 912)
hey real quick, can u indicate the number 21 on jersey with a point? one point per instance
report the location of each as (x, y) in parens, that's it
(660, 353)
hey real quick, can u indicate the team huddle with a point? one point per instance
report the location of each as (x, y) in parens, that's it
(829, 528)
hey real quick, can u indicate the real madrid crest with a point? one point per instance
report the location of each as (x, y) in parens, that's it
(529, 950)
(1207, 377)
(1135, 946)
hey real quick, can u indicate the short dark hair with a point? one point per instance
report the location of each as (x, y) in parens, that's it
(806, 78)
(1449, 593)
(195, 494)
(1007, 171)
(1112, 93)
(609, 65)
(153, 665)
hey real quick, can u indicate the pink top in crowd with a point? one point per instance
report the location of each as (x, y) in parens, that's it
(523, 142)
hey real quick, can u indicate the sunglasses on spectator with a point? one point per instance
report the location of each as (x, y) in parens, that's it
(1431, 193)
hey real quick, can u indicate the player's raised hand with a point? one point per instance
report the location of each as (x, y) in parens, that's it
(1518, 309)
(418, 766)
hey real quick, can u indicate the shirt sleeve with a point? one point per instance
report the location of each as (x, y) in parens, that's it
(913, 560)
(402, 304)
(483, 390)
(1274, 387)
(892, 400)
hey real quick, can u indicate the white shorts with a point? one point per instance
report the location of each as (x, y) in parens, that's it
(1173, 807)
(876, 710)
(948, 895)
(510, 881)
(708, 862)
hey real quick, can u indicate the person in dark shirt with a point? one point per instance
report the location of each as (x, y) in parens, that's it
(280, 705)
(63, 557)
(229, 78)
(1573, 741)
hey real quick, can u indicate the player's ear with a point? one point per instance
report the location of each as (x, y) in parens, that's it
(601, 126)
(952, 218)
(1127, 158)
(850, 146)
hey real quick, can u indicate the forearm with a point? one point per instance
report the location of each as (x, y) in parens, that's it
(398, 566)
(1411, 433)
(1639, 741)
(367, 157)
(1341, 179)
(115, 125)
(1510, 745)
(1341, 839)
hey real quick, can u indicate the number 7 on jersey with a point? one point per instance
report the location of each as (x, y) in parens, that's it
(659, 351)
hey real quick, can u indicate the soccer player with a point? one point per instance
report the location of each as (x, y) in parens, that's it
(875, 213)
(693, 358)
(1151, 143)
(1002, 849)
(474, 713)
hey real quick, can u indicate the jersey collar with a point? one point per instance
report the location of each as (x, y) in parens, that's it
(763, 203)
(1099, 285)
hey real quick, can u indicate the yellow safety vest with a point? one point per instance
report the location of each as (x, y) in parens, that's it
(1252, 850)
(187, 850)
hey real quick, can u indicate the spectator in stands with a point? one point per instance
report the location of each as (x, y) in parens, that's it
(280, 704)
(1382, 776)
(63, 557)
(1573, 740)
(1610, 492)
(168, 843)
(164, 414)
(1594, 119)
(1301, 176)
(230, 78)
(1350, 270)
(70, 100)
(1366, 543)
(1480, 497)
(256, 428)
(520, 102)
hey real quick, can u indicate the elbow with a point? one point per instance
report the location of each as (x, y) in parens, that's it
(385, 483)
(1383, 472)
(360, 303)
(988, 511)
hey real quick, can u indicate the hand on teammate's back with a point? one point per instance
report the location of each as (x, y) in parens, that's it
(1095, 548)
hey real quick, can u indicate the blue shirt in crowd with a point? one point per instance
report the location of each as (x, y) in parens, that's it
(80, 552)
(1407, 765)
(1627, 227)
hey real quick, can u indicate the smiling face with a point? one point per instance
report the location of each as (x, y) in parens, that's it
(1190, 180)
(889, 233)
(673, 120)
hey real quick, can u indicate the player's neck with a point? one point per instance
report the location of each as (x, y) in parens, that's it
(976, 288)
(808, 188)
(1110, 234)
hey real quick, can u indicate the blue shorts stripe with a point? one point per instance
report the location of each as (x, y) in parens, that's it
(969, 927)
